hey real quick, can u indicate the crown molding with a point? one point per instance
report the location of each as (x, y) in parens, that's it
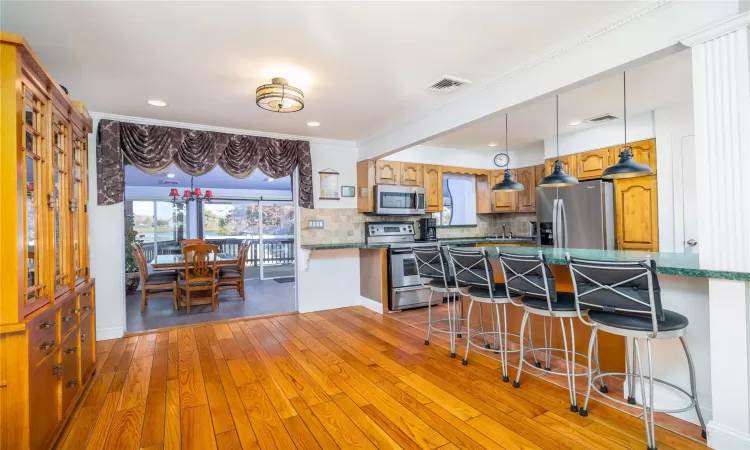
(720, 29)
(194, 126)
(641, 9)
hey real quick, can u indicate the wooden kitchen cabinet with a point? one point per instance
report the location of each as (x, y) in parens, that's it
(527, 198)
(365, 183)
(591, 164)
(539, 173)
(433, 188)
(636, 214)
(644, 152)
(387, 172)
(569, 163)
(503, 201)
(411, 174)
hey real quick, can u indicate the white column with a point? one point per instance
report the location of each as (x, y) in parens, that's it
(721, 91)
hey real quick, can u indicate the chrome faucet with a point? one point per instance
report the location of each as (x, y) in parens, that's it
(504, 225)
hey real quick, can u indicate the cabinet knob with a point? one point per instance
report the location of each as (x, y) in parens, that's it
(67, 318)
(71, 383)
(86, 308)
(75, 310)
(71, 350)
(83, 337)
(57, 369)
(47, 345)
(48, 324)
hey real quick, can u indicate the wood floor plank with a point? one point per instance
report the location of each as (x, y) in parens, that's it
(442, 398)
(239, 416)
(172, 434)
(267, 361)
(369, 428)
(301, 436)
(125, 430)
(317, 429)
(500, 434)
(192, 389)
(221, 416)
(135, 388)
(99, 434)
(197, 430)
(186, 340)
(228, 440)
(144, 348)
(222, 331)
(154, 419)
(270, 385)
(576, 432)
(340, 427)
(173, 361)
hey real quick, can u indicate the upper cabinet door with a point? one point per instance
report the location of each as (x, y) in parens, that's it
(433, 188)
(592, 164)
(569, 163)
(411, 174)
(503, 201)
(644, 152)
(538, 175)
(636, 214)
(387, 172)
(527, 197)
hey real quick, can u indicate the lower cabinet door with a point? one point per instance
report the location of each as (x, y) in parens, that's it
(44, 407)
(71, 380)
(88, 348)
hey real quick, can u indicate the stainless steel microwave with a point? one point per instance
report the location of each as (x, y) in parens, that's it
(398, 200)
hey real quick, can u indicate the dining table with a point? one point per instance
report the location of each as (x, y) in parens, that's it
(177, 262)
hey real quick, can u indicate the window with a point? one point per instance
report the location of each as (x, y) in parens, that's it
(160, 226)
(459, 201)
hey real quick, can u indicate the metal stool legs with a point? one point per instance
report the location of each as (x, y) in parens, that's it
(499, 336)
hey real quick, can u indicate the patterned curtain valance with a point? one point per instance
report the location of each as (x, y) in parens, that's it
(153, 149)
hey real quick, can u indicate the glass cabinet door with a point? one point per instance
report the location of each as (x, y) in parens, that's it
(33, 157)
(59, 200)
(78, 208)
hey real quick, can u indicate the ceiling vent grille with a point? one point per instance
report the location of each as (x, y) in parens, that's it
(169, 183)
(447, 84)
(600, 119)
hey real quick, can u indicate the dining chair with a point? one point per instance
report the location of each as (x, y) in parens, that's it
(159, 284)
(231, 278)
(200, 274)
(185, 242)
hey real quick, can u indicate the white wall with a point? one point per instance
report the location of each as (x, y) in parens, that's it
(472, 158)
(605, 135)
(330, 279)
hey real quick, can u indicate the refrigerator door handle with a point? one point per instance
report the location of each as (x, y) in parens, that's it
(555, 234)
(563, 224)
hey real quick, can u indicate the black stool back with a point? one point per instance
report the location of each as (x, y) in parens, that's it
(431, 264)
(619, 287)
(472, 268)
(528, 275)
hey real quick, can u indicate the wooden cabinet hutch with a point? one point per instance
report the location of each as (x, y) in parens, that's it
(47, 313)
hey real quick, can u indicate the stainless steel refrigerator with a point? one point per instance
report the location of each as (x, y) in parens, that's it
(580, 216)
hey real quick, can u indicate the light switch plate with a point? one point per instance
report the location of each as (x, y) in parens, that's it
(315, 224)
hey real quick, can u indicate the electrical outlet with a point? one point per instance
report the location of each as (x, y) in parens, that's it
(315, 224)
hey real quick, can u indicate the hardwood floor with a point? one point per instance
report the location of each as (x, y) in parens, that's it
(346, 378)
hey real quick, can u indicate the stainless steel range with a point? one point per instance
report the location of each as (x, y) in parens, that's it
(404, 289)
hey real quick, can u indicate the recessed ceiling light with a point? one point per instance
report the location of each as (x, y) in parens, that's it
(574, 123)
(171, 175)
(159, 103)
(269, 179)
(492, 144)
(313, 124)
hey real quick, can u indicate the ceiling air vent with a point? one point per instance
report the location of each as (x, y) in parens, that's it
(169, 183)
(447, 84)
(600, 119)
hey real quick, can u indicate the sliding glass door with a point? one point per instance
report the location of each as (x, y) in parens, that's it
(160, 225)
(277, 239)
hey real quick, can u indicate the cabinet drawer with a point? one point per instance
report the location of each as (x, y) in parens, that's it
(68, 316)
(43, 401)
(71, 380)
(88, 348)
(42, 336)
(85, 302)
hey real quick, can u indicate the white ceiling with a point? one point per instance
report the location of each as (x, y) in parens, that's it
(650, 86)
(215, 179)
(363, 66)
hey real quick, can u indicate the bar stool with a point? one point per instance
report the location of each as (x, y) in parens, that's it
(624, 298)
(435, 275)
(475, 279)
(530, 276)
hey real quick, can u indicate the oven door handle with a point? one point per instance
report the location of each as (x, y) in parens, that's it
(408, 288)
(401, 251)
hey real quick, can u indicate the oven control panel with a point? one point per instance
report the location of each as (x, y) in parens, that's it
(390, 229)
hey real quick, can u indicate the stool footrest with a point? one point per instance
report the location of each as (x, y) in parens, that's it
(656, 380)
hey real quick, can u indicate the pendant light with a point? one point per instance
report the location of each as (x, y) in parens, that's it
(558, 177)
(626, 167)
(507, 184)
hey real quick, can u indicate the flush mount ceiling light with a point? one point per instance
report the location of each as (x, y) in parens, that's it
(313, 124)
(574, 123)
(171, 175)
(626, 167)
(269, 179)
(159, 103)
(279, 97)
(507, 184)
(492, 144)
(558, 177)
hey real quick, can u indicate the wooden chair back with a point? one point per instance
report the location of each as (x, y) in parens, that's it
(191, 242)
(242, 255)
(202, 258)
(140, 257)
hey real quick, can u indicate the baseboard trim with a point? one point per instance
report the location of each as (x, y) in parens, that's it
(721, 437)
(372, 305)
(103, 334)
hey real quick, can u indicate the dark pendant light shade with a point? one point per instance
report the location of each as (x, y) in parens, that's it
(626, 167)
(558, 177)
(508, 184)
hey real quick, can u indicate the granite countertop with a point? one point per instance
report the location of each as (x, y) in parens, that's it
(681, 264)
(447, 241)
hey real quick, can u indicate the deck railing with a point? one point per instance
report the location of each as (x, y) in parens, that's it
(275, 250)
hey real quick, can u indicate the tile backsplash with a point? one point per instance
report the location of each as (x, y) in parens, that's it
(346, 225)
